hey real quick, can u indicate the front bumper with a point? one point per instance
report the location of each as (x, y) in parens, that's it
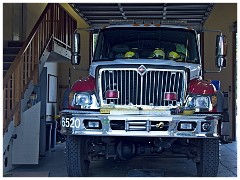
(75, 122)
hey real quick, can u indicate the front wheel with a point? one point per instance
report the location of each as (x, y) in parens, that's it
(77, 160)
(209, 158)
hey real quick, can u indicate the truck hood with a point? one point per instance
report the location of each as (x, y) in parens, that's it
(195, 69)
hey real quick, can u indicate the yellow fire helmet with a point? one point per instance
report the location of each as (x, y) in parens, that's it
(158, 53)
(173, 55)
(129, 54)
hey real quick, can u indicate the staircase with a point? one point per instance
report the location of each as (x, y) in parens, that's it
(10, 53)
(22, 65)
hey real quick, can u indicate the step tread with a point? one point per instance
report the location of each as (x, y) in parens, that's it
(7, 62)
(9, 55)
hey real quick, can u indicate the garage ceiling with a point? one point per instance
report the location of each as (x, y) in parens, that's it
(100, 14)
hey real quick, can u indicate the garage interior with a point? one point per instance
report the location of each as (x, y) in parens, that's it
(37, 71)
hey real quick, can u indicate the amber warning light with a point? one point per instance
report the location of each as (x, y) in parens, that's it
(170, 96)
(112, 94)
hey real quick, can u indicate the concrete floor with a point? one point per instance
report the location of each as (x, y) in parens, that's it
(53, 165)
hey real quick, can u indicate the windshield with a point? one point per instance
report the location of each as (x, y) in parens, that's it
(147, 43)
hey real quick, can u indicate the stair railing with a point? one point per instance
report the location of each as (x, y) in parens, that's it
(54, 23)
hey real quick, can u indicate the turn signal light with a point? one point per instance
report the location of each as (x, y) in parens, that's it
(186, 126)
(92, 124)
(136, 24)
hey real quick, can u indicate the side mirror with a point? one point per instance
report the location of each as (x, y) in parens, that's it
(221, 50)
(75, 57)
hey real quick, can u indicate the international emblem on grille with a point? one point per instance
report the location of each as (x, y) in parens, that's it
(142, 70)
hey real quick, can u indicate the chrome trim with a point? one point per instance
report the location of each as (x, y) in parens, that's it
(140, 125)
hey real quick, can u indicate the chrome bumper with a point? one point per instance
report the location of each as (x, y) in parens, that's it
(143, 125)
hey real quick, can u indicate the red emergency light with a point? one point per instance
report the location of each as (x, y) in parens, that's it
(170, 96)
(112, 94)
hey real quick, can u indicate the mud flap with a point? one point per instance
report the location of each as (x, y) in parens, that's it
(225, 129)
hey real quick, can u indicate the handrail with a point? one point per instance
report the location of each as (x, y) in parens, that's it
(54, 23)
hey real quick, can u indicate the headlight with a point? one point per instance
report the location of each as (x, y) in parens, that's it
(199, 102)
(83, 100)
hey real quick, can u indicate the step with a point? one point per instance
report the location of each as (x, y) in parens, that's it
(15, 43)
(11, 50)
(9, 57)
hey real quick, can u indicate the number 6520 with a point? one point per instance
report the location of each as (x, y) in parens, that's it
(70, 122)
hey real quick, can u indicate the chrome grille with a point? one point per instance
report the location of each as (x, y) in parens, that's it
(137, 88)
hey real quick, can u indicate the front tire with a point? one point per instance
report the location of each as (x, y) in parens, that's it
(77, 160)
(209, 158)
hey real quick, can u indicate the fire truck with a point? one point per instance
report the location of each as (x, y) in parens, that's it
(145, 95)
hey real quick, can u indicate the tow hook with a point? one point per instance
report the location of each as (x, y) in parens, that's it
(160, 125)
